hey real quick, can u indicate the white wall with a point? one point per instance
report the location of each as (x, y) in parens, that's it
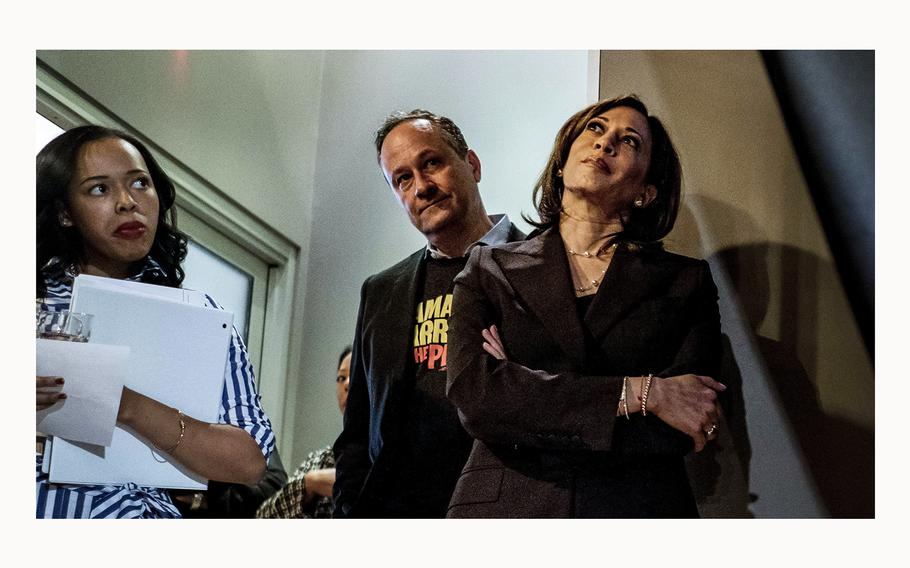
(509, 106)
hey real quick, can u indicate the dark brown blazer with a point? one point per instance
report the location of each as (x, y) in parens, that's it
(548, 442)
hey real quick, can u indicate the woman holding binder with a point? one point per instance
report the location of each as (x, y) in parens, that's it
(104, 207)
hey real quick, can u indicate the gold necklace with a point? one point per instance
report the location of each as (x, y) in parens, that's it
(596, 281)
(599, 252)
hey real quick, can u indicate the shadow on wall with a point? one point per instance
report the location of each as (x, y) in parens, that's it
(719, 474)
(839, 453)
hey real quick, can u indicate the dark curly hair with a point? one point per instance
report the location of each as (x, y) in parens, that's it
(645, 226)
(55, 166)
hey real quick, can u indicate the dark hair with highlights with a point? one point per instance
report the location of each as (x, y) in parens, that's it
(55, 166)
(645, 226)
(448, 129)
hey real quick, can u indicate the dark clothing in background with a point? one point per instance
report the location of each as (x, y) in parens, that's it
(233, 500)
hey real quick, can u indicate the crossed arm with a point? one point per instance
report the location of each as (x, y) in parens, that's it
(502, 401)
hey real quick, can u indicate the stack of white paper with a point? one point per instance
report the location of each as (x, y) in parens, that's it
(94, 376)
(178, 353)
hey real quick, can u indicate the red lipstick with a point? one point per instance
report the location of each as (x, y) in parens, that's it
(130, 230)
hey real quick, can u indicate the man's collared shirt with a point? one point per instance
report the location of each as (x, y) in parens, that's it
(497, 235)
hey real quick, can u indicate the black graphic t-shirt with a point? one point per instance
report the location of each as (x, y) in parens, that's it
(434, 444)
(431, 321)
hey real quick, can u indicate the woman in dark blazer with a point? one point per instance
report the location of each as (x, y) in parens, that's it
(581, 359)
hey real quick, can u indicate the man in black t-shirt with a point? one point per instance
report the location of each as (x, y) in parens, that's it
(403, 447)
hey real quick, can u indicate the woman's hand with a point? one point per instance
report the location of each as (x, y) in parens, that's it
(47, 392)
(493, 343)
(687, 403)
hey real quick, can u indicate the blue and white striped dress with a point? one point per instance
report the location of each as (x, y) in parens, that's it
(240, 406)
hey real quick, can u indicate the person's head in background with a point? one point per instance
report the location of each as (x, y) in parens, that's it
(343, 378)
(103, 206)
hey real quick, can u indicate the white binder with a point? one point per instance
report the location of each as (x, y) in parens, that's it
(178, 353)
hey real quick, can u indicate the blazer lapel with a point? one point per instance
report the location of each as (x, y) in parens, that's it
(397, 319)
(539, 273)
(631, 278)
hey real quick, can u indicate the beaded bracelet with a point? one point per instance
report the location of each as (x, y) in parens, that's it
(644, 395)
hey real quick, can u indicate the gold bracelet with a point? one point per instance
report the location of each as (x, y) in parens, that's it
(179, 439)
(623, 399)
(644, 395)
